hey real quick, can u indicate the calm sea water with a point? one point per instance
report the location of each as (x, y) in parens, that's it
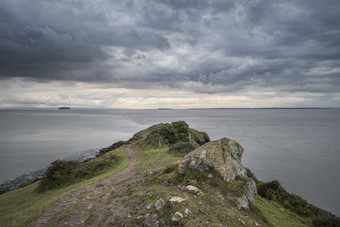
(299, 147)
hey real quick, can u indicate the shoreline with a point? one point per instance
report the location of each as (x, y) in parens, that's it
(80, 156)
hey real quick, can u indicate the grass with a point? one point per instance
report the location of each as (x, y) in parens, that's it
(21, 206)
(276, 215)
(181, 148)
(151, 158)
(274, 191)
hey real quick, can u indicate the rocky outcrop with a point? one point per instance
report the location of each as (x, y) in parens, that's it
(198, 138)
(249, 194)
(223, 156)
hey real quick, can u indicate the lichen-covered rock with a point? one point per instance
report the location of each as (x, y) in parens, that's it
(248, 196)
(194, 190)
(223, 156)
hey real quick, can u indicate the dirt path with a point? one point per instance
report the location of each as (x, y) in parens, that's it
(100, 203)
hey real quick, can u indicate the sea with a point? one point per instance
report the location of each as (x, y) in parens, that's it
(298, 147)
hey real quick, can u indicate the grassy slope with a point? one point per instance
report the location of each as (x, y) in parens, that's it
(19, 207)
(277, 215)
(214, 207)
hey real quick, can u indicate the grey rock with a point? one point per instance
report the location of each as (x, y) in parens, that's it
(248, 196)
(177, 217)
(159, 204)
(250, 189)
(187, 212)
(223, 156)
(148, 206)
(242, 202)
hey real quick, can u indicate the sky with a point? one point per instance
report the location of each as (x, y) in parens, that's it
(145, 54)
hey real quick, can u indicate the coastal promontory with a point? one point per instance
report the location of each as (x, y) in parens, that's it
(166, 175)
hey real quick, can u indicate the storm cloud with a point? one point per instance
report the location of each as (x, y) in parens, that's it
(197, 46)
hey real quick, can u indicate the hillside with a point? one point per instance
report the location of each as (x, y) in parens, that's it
(147, 181)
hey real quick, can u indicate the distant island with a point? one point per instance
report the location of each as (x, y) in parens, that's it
(64, 108)
(164, 109)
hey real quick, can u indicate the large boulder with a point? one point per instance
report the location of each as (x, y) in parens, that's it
(223, 156)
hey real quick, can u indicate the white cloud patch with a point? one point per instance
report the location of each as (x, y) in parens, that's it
(18, 92)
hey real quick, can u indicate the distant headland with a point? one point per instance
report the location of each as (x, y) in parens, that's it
(64, 108)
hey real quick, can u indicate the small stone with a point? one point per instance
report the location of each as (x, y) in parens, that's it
(177, 217)
(139, 217)
(177, 199)
(156, 224)
(159, 204)
(147, 215)
(148, 206)
(187, 212)
(210, 176)
(243, 222)
(155, 216)
(194, 190)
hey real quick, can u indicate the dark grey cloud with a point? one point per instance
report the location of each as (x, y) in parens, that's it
(223, 45)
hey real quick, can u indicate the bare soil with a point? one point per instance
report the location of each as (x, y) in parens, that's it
(106, 202)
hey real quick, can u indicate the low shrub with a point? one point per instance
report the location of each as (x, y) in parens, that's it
(274, 191)
(326, 221)
(61, 173)
(169, 134)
